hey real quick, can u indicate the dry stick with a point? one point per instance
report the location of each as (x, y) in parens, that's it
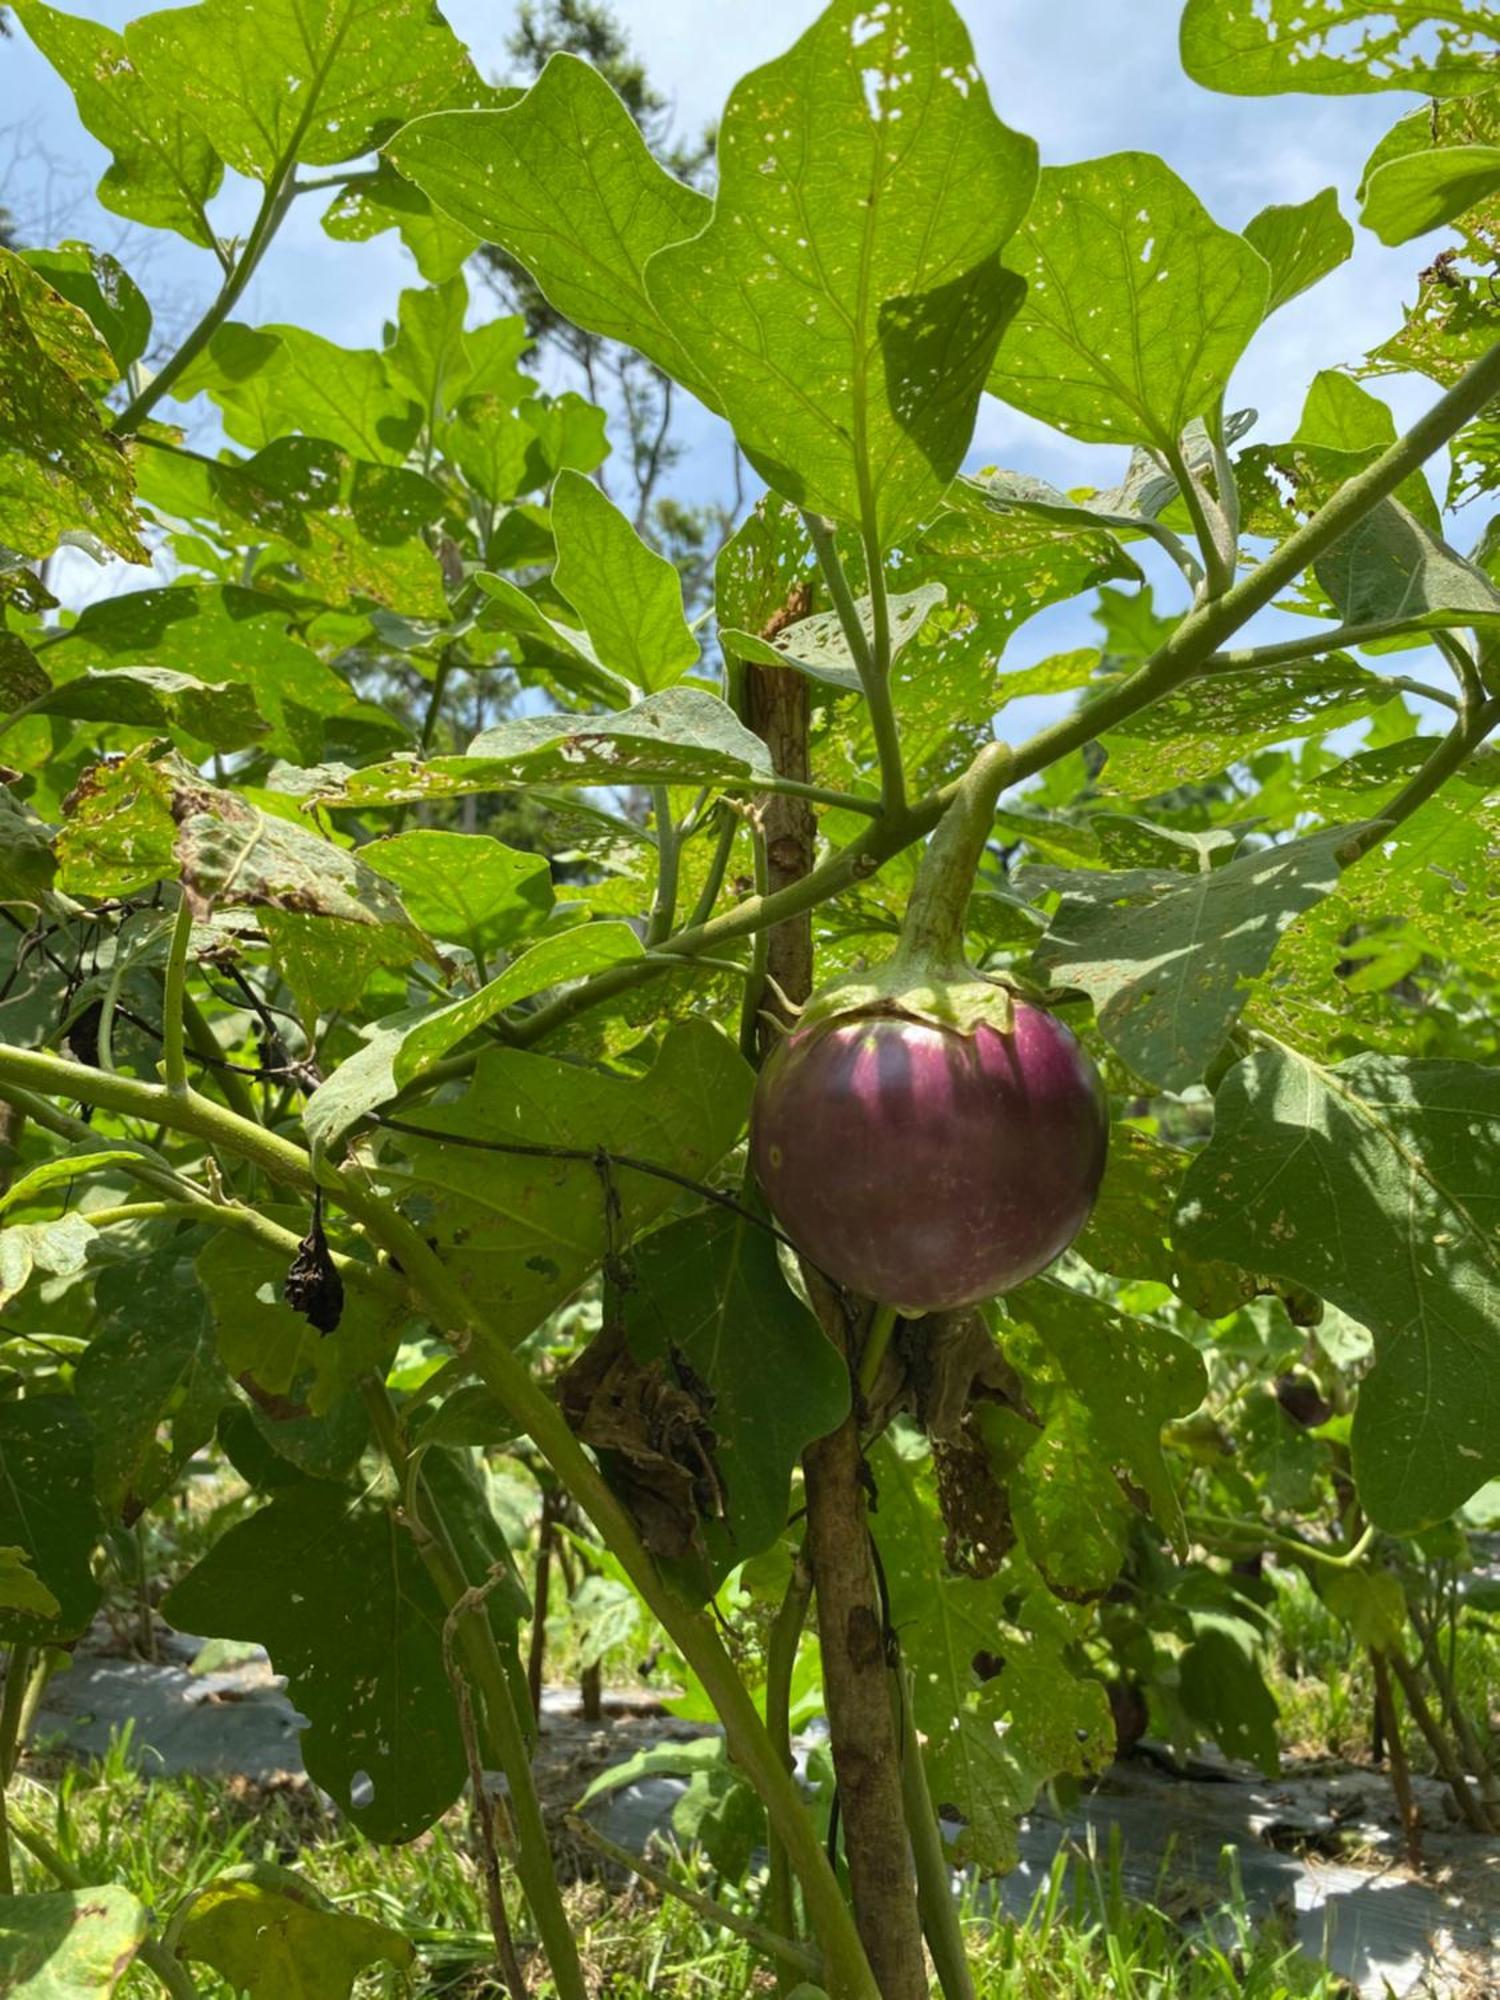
(1438, 1741)
(1390, 1723)
(866, 1755)
(484, 1807)
(802, 1959)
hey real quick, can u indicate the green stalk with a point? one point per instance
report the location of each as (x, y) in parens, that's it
(1217, 565)
(173, 1019)
(871, 654)
(486, 1672)
(877, 1340)
(274, 204)
(935, 1898)
(668, 861)
(932, 932)
(467, 1321)
(781, 1660)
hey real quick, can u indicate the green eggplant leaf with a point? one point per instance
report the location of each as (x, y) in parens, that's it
(1375, 1183)
(1138, 305)
(845, 297)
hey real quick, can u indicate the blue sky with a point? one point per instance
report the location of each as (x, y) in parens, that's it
(1084, 77)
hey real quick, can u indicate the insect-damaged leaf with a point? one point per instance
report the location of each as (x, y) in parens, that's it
(525, 1232)
(268, 82)
(681, 736)
(334, 1589)
(164, 170)
(1376, 1184)
(845, 298)
(1168, 958)
(61, 471)
(989, 1744)
(1252, 48)
(1138, 305)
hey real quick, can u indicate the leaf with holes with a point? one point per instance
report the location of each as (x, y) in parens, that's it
(679, 737)
(1167, 958)
(333, 1588)
(270, 82)
(1138, 305)
(163, 170)
(1376, 1184)
(989, 1744)
(845, 298)
(525, 1232)
(1253, 48)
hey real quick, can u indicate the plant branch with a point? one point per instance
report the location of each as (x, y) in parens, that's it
(781, 1660)
(940, 1925)
(871, 652)
(1209, 525)
(173, 1024)
(274, 204)
(668, 858)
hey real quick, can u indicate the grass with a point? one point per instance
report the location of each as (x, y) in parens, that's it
(1083, 1937)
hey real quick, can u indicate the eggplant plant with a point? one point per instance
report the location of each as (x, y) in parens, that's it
(400, 900)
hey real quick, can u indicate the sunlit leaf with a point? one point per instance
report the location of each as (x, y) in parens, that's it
(163, 170)
(1138, 305)
(1253, 47)
(845, 298)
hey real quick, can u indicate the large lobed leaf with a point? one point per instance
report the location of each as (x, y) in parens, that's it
(1376, 1184)
(845, 298)
(1168, 958)
(525, 1232)
(1138, 305)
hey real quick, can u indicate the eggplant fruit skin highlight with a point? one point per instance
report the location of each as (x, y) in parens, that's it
(926, 1168)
